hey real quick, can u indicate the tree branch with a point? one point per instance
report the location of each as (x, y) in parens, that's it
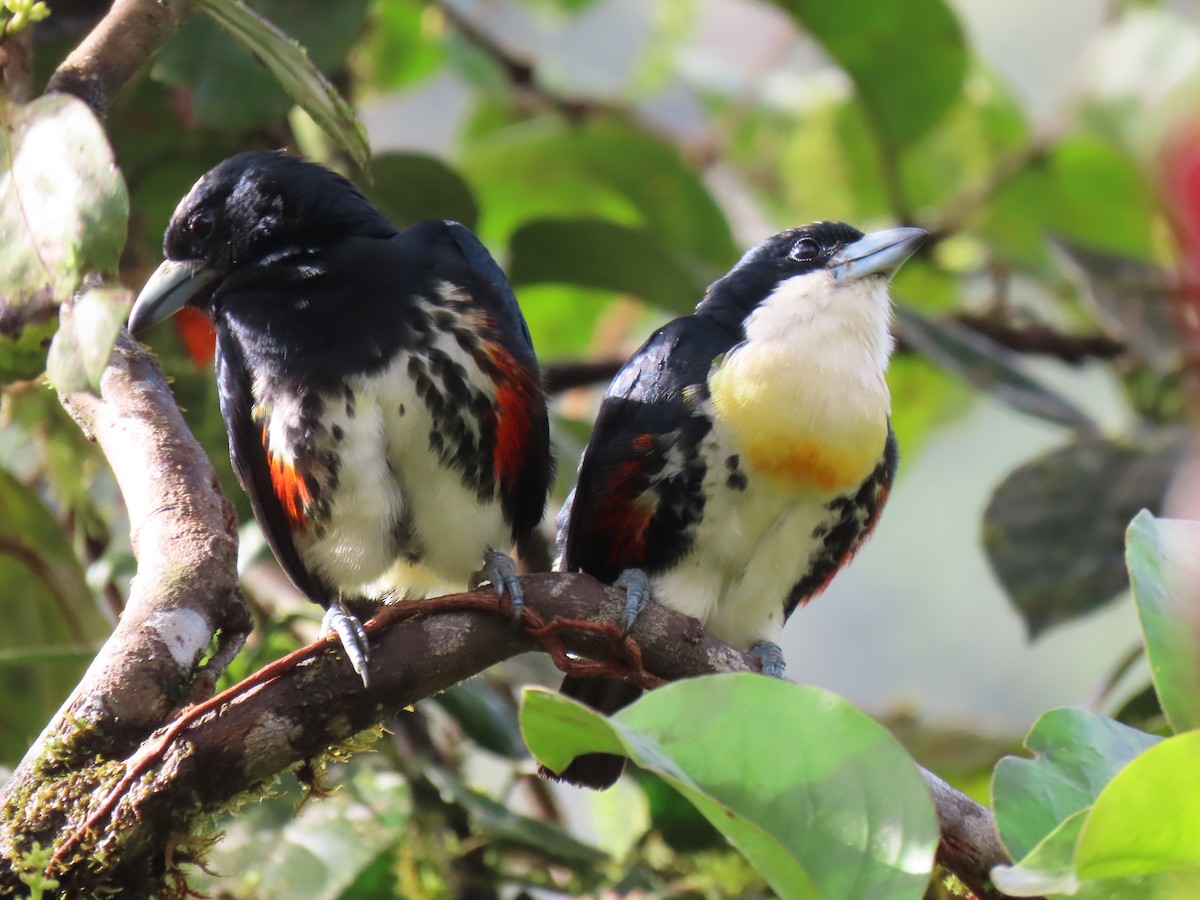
(117, 48)
(249, 734)
(184, 535)
(1032, 339)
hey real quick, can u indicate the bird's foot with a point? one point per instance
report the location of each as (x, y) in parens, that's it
(340, 621)
(771, 657)
(499, 570)
(637, 595)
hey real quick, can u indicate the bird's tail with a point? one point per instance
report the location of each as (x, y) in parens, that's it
(607, 695)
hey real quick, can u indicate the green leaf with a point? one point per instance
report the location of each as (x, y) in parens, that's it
(1086, 191)
(1164, 568)
(820, 798)
(1144, 822)
(294, 71)
(63, 205)
(88, 328)
(988, 366)
(413, 187)
(598, 254)
(398, 49)
(24, 357)
(1077, 754)
(1054, 530)
(500, 825)
(1050, 866)
(907, 60)
(604, 169)
(486, 717)
(47, 610)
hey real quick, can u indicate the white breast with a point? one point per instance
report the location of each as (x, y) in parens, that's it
(752, 546)
(803, 399)
(400, 523)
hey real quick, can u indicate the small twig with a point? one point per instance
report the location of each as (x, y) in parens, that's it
(1041, 340)
(969, 846)
(520, 73)
(16, 65)
(957, 212)
(566, 376)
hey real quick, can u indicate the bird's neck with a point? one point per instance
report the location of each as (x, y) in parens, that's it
(804, 395)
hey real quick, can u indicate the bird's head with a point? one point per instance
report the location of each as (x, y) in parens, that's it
(811, 269)
(251, 210)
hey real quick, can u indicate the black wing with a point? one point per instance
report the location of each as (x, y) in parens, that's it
(520, 432)
(639, 495)
(248, 452)
(856, 515)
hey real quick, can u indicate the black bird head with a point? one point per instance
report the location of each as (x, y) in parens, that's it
(833, 252)
(251, 210)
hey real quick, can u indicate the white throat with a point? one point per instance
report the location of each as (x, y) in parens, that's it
(805, 393)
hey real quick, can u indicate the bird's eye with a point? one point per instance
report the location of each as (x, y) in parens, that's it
(201, 225)
(805, 249)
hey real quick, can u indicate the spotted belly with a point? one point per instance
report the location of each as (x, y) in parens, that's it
(390, 486)
(759, 550)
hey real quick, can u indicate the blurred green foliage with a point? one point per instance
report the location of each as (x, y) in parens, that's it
(610, 218)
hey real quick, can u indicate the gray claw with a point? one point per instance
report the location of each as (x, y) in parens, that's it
(340, 621)
(637, 595)
(498, 569)
(771, 657)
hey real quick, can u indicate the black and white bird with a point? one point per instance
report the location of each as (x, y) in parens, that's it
(379, 386)
(744, 453)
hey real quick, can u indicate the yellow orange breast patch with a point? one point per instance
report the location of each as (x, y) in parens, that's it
(801, 429)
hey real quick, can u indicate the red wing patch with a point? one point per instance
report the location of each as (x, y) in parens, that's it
(516, 394)
(289, 486)
(623, 516)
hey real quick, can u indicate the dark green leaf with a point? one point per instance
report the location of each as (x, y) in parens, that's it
(605, 169)
(1164, 568)
(986, 365)
(825, 803)
(599, 254)
(907, 60)
(88, 328)
(501, 825)
(1143, 711)
(1077, 753)
(231, 90)
(413, 187)
(678, 821)
(487, 718)
(63, 205)
(1054, 530)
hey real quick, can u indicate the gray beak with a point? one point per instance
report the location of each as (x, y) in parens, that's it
(171, 286)
(877, 253)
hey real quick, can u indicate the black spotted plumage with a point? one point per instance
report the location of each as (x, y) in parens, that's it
(334, 328)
